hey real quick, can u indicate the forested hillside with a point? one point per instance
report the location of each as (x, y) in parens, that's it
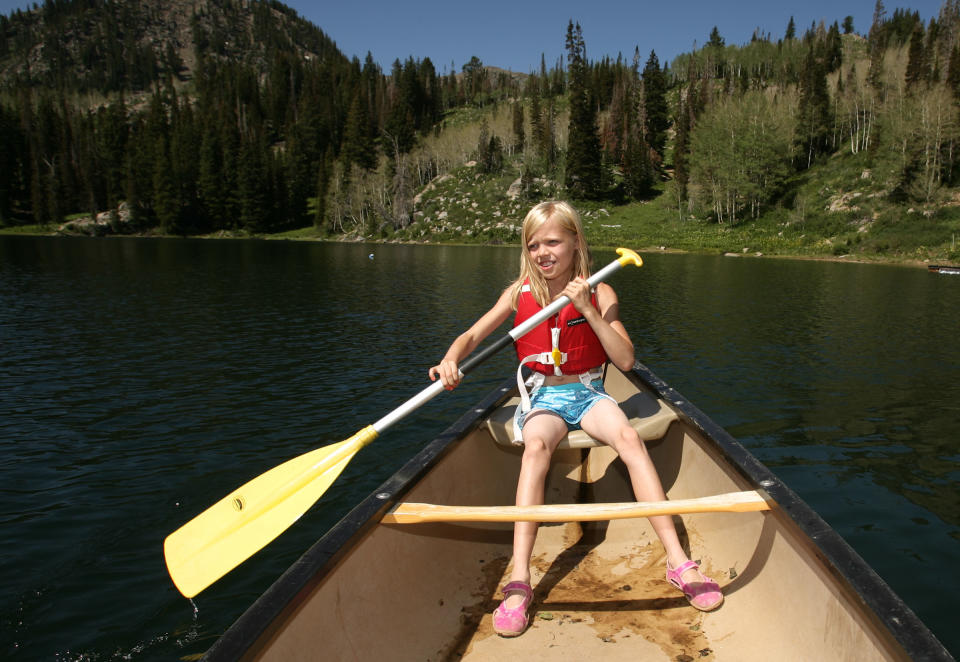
(240, 117)
(199, 117)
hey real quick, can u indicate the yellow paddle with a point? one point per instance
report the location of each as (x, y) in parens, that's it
(230, 531)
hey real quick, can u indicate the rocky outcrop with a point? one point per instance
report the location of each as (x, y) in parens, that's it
(115, 221)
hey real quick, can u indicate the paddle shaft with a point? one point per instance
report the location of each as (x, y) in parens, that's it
(733, 502)
(430, 392)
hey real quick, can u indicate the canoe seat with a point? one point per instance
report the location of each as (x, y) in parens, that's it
(649, 416)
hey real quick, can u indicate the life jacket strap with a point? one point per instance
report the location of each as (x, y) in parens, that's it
(535, 382)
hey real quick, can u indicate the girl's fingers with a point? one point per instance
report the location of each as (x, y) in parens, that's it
(449, 376)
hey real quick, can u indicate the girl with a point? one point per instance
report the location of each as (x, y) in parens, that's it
(555, 261)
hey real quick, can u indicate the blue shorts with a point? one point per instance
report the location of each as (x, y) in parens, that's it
(571, 402)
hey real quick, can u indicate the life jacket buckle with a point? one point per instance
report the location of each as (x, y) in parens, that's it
(557, 356)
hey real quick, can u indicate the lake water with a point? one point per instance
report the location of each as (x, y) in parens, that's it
(142, 380)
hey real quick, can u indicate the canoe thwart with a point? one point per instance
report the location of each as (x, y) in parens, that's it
(732, 502)
(649, 416)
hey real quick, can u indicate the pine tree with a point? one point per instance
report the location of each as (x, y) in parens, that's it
(681, 147)
(400, 126)
(166, 206)
(494, 159)
(548, 133)
(432, 96)
(715, 49)
(655, 104)
(474, 78)
(358, 145)
(716, 41)
(791, 30)
(211, 187)
(917, 66)
(536, 122)
(252, 186)
(638, 171)
(953, 73)
(519, 134)
(184, 138)
(814, 116)
(323, 186)
(483, 145)
(833, 49)
(297, 178)
(616, 125)
(112, 135)
(877, 45)
(11, 152)
(583, 171)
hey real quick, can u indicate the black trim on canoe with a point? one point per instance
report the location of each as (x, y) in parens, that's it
(916, 639)
(323, 556)
(912, 634)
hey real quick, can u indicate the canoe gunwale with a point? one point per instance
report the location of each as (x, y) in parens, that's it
(841, 559)
(323, 556)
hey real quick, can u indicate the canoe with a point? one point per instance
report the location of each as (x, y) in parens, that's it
(944, 269)
(376, 588)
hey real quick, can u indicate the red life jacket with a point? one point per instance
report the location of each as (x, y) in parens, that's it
(577, 340)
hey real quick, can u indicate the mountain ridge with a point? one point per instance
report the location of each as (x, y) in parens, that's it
(126, 46)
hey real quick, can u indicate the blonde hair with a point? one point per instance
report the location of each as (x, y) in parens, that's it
(568, 218)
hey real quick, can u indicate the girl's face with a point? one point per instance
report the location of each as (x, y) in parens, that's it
(551, 249)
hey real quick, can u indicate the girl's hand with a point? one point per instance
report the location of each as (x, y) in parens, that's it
(448, 372)
(578, 291)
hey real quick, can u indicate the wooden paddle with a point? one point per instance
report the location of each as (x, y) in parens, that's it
(230, 531)
(732, 502)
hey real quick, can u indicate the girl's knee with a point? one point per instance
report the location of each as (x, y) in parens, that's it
(630, 443)
(631, 438)
(536, 452)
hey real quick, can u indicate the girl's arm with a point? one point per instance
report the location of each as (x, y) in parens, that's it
(448, 369)
(605, 322)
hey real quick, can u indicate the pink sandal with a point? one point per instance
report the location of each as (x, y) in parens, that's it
(704, 595)
(512, 622)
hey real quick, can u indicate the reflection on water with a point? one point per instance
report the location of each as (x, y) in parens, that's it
(141, 380)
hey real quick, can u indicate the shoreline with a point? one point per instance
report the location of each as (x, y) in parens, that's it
(880, 259)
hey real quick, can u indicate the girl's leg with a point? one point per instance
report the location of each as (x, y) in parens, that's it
(606, 422)
(542, 431)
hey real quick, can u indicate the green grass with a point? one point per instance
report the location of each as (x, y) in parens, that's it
(308, 233)
(33, 229)
(865, 224)
(839, 209)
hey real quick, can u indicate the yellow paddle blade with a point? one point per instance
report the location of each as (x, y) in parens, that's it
(232, 530)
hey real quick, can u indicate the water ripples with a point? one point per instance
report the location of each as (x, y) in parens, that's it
(141, 381)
